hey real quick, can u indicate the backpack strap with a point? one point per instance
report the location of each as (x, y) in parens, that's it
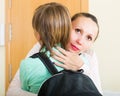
(46, 61)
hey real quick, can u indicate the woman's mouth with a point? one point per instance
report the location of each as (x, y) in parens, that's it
(74, 48)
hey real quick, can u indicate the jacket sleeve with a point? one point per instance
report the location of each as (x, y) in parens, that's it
(94, 74)
(92, 70)
(24, 72)
(14, 88)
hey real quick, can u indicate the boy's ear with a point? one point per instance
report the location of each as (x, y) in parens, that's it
(37, 35)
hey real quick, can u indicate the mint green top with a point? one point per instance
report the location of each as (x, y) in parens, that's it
(33, 73)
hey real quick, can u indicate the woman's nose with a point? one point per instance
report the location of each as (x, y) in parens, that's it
(80, 40)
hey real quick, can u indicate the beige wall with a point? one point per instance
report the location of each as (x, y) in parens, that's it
(108, 44)
(2, 71)
(2, 53)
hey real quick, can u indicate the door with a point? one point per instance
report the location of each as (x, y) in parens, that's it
(19, 32)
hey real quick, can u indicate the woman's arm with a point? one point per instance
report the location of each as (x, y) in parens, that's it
(94, 70)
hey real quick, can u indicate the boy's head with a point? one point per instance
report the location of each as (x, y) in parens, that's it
(52, 24)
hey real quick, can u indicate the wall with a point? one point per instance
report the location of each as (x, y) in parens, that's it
(2, 51)
(108, 44)
(2, 71)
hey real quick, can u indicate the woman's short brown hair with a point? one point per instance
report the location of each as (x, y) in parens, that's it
(53, 23)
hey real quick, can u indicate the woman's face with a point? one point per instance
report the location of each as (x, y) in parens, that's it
(83, 34)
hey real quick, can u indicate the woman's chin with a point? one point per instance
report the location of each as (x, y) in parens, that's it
(77, 52)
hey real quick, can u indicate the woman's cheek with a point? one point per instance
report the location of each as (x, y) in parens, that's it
(87, 46)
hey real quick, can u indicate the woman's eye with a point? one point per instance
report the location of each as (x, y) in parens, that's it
(89, 38)
(77, 30)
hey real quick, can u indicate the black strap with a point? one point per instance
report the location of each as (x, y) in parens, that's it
(46, 61)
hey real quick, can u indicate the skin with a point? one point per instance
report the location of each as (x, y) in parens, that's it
(83, 34)
(82, 37)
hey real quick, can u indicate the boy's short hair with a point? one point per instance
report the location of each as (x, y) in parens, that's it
(53, 23)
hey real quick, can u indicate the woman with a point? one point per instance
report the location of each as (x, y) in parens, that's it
(85, 30)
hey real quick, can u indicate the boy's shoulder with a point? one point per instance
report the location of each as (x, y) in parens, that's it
(31, 63)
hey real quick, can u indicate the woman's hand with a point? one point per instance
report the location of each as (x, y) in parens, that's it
(71, 61)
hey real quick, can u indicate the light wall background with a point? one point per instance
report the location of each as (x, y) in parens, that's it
(107, 45)
(2, 51)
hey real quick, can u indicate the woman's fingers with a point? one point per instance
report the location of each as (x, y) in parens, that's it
(59, 54)
(63, 51)
(58, 58)
(61, 65)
